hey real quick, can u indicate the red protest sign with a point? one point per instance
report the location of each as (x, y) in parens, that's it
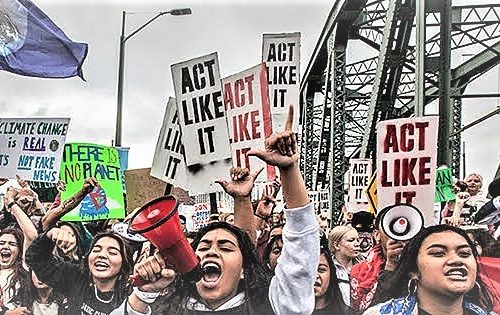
(248, 117)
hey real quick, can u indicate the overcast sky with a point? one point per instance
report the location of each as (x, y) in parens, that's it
(232, 28)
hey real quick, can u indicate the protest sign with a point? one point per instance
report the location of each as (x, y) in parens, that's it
(168, 162)
(406, 163)
(84, 160)
(267, 188)
(123, 155)
(248, 117)
(142, 187)
(32, 147)
(201, 215)
(281, 53)
(187, 211)
(202, 119)
(444, 184)
(360, 171)
(313, 197)
(202, 123)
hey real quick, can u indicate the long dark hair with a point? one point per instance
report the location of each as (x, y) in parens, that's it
(28, 293)
(121, 285)
(267, 253)
(254, 284)
(333, 293)
(19, 275)
(396, 284)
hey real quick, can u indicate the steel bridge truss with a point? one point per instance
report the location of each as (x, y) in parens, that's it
(342, 100)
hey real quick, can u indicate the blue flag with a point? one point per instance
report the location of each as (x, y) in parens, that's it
(32, 45)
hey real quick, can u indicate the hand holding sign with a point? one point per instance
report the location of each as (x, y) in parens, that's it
(241, 183)
(281, 148)
(22, 182)
(61, 186)
(89, 184)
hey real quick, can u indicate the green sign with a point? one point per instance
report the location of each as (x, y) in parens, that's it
(444, 184)
(84, 160)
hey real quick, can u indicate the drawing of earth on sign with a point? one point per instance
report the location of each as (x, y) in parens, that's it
(94, 204)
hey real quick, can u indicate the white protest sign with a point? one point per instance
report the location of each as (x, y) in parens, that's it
(360, 171)
(168, 161)
(202, 119)
(187, 211)
(201, 215)
(406, 163)
(32, 147)
(281, 53)
(248, 117)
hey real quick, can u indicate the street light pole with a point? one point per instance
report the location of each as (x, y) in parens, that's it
(118, 127)
(121, 63)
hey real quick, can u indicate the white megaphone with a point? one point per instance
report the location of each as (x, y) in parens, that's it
(401, 222)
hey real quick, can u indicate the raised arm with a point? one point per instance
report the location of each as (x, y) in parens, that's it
(291, 289)
(53, 215)
(63, 276)
(21, 217)
(240, 188)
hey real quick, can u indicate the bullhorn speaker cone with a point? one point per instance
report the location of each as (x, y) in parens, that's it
(158, 221)
(401, 222)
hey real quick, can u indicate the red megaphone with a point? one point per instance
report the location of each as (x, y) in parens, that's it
(158, 221)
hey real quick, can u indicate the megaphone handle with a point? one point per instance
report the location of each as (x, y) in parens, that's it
(137, 280)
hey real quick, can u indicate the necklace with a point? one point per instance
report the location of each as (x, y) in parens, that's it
(101, 300)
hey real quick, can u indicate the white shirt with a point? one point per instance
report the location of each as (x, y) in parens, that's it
(344, 282)
(45, 309)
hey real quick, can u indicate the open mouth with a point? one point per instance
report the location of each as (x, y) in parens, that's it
(5, 255)
(317, 284)
(211, 272)
(459, 274)
(101, 266)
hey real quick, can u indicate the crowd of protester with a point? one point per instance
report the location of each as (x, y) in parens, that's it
(254, 261)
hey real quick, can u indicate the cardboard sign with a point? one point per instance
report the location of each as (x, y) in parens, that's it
(406, 163)
(248, 117)
(168, 162)
(444, 184)
(360, 171)
(281, 53)
(142, 187)
(83, 160)
(32, 147)
(201, 110)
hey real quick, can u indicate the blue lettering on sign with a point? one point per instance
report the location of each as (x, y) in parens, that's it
(34, 144)
(45, 162)
(44, 175)
(4, 159)
(25, 162)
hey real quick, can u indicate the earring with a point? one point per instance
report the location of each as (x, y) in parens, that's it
(412, 286)
(476, 284)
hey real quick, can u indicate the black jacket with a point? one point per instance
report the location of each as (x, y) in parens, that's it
(70, 279)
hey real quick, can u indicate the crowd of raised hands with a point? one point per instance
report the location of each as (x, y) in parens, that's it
(261, 262)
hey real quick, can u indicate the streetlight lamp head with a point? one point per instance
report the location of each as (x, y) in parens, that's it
(184, 11)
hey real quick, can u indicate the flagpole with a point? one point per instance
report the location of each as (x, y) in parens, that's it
(121, 63)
